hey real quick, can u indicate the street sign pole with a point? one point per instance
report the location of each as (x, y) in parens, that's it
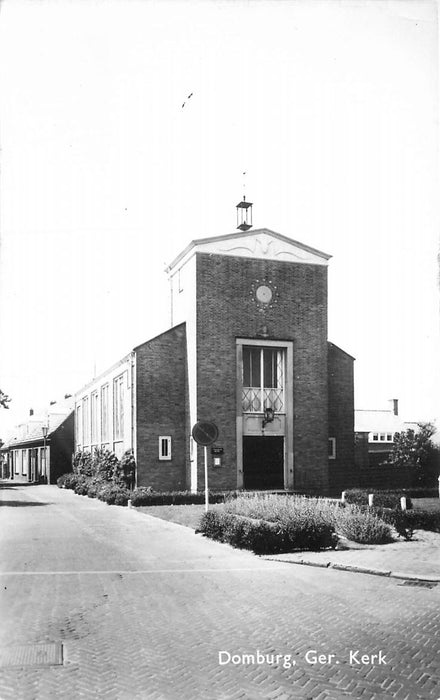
(205, 433)
(206, 480)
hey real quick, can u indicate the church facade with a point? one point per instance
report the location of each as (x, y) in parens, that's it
(248, 351)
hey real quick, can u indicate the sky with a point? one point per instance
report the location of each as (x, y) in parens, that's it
(331, 109)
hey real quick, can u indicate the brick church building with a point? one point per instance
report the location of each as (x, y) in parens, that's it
(247, 350)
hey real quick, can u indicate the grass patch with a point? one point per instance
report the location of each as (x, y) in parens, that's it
(427, 504)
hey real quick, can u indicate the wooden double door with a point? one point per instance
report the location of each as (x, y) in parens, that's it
(263, 462)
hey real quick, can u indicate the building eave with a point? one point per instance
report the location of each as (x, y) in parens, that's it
(246, 234)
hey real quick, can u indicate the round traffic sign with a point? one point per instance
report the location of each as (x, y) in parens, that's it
(205, 433)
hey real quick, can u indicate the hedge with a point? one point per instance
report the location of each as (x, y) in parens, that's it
(405, 522)
(382, 499)
(421, 492)
(114, 494)
(67, 481)
(263, 537)
(145, 496)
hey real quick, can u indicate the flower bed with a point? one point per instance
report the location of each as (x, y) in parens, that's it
(264, 537)
(274, 523)
(269, 524)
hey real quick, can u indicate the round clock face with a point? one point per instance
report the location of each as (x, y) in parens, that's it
(263, 294)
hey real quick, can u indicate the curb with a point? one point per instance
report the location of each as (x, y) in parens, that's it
(360, 570)
(414, 577)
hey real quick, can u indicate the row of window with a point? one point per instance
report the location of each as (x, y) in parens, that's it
(381, 437)
(21, 460)
(97, 405)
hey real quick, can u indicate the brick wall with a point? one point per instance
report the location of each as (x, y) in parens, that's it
(226, 310)
(385, 476)
(343, 473)
(161, 398)
(61, 449)
(374, 469)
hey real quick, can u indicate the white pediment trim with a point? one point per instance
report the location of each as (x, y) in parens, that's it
(262, 244)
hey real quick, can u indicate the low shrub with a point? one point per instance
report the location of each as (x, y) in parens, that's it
(264, 536)
(145, 496)
(67, 481)
(114, 494)
(311, 534)
(126, 471)
(424, 520)
(244, 533)
(382, 499)
(82, 464)
(94, 485)
(362, 526)
(141, 496)
(405, 522)
(82, 485)
(421, 492)
(105, 465)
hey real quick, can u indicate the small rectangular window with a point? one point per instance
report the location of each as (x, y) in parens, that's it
(164, 447)
(375, 437)
(382, 437)
(332, 448)
(389, 438)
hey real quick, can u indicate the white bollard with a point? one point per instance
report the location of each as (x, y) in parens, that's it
(370, 499)
(403, 503)
(343, 497)
(129, 504)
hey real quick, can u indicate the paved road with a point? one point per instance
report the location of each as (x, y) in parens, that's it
(143, 608)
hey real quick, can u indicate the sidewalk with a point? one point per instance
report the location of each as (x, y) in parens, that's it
(418, 559)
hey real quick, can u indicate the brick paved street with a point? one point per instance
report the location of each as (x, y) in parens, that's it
(143, 608)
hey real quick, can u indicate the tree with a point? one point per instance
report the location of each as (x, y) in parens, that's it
(416, 450)
(4, 399)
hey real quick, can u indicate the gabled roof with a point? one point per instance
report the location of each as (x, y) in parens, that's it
(259, 243)
(32, 431)
(371, 421)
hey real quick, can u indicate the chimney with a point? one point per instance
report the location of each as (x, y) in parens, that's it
(395, 408)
